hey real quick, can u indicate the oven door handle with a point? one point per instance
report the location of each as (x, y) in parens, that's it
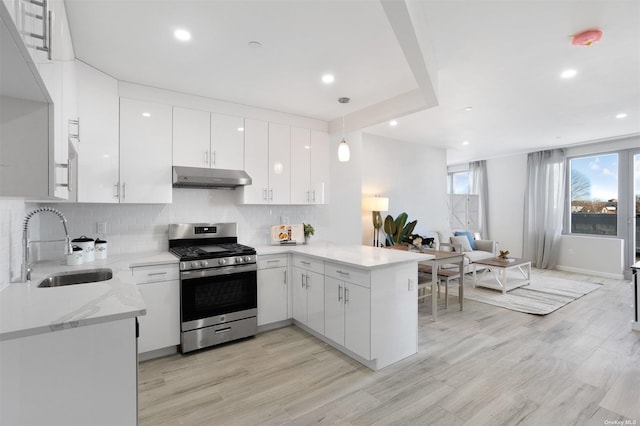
(212, 272)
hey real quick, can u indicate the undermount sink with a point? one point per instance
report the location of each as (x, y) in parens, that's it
(77, 277)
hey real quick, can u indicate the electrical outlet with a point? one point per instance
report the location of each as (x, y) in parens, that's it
(571, 252)
(101, 227)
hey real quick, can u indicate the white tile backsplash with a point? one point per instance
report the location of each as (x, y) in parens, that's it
(144, 227)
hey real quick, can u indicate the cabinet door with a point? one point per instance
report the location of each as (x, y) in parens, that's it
(334, 309)
(319, 167)
(256, 150)
(191, 137)
(299, 293)
(98, 150)
(160, 327)
(279, 164)
(272, 295)
(145, 152)
(300, 164)
(51, 72)
(227, 142)
(315, 301)
(357, 322)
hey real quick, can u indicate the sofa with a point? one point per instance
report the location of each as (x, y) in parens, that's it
(447, 240)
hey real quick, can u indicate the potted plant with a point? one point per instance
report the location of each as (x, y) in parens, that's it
(308, 232)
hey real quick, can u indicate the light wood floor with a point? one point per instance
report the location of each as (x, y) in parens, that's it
(485, 366)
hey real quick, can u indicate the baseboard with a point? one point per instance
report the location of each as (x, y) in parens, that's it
(146, 356)
(589, 272)
(275, 325)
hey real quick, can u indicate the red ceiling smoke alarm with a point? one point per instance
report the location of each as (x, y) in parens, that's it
(586, 38)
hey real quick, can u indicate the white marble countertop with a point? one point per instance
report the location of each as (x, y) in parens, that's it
(27, 310)
(354, 255)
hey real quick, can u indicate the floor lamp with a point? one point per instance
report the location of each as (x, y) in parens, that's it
(376, 205)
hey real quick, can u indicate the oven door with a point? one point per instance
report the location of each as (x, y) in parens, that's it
(218, 295)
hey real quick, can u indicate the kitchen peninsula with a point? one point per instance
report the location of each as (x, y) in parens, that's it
(361, 300)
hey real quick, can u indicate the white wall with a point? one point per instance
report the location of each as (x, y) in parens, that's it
(591, 255)
(412, 176)
(507, 179)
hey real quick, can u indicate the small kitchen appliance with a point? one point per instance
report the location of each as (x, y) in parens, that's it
(218, 284)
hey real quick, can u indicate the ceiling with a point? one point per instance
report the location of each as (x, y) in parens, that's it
(392, 58)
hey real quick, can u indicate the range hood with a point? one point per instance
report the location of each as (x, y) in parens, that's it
(199, 177)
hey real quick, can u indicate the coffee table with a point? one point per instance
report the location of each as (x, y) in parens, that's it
(499, 268)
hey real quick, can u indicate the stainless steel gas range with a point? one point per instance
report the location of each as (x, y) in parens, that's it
(218, 284)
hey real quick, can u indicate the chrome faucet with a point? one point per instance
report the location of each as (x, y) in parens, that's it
(25, 274)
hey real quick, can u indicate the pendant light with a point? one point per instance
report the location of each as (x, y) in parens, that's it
(344, 153)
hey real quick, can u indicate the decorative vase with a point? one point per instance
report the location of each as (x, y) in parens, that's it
(307, 238)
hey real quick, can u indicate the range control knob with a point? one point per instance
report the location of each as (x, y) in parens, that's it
(238, 260)
(222, 261)
(247, 258)
(194, 264)
(203, 263)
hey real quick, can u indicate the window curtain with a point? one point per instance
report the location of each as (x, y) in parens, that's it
(544, 207)
(480, 187)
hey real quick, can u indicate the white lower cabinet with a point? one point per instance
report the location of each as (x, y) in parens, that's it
(308, 293)
(160, 289)
(347, 311)
(273, 289)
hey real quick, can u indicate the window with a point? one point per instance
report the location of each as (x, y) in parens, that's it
(459, 183)
(594, 195)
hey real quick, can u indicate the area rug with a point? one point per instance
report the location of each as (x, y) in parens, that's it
(543, 296)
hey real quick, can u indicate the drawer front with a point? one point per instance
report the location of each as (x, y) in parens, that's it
(361, 277)
(309, 264)
(156, 273)
(272, 261)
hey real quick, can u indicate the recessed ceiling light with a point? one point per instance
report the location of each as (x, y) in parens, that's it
(328, 78)
(254, 44)
(393, 123)
(621, 115)
(146, 114)
(241, 129)
(468, 108)
(568, 73)
(465, 143)
(182, 35)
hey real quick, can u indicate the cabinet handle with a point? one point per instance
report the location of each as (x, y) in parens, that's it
(342, 272)
(69, 175)
(302, 279)
(213, 157)
(206, 157)
(124, 190)
(314, 196)
(273, 261)
(308, 196)
(223, 330)
(156, 273)
(264, 194)
(339, 293)
(304, 262)
(48, 42)
(116, 190)
(285, 276)
(346, 295)
(307, 281)
(271, 194)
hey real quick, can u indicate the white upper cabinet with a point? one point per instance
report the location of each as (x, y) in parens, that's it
(320, 153)
(203, 139)
(309, 166)
(256, 152)
(279, 164)
(145, 152)
(227, 142)
(191, 137)
(300, 165)
(98, 150)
